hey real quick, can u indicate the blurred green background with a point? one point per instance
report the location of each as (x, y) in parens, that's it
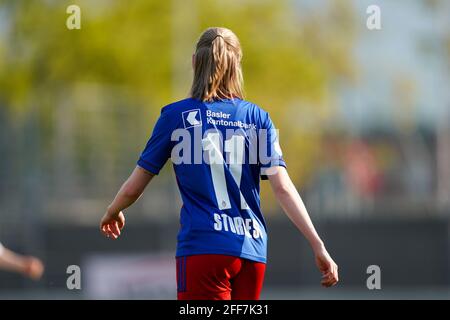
(364, 119)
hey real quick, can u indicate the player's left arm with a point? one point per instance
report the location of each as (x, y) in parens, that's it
(292, 204)
(114, 220)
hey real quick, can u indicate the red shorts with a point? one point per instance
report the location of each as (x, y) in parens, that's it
(219, 277)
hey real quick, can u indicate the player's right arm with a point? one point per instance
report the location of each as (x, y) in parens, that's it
(156, 153)
(292, 204)
(29, 266)
(114, 220)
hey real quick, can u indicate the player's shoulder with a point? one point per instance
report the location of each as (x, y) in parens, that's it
(255, 110)
(179, 106)
(183, 105)
(253, 106)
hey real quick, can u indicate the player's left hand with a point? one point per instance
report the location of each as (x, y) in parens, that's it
(111, 224)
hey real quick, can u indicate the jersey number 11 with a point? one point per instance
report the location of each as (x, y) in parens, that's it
(235, 147)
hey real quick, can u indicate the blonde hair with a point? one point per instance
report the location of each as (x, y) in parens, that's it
(217, 66)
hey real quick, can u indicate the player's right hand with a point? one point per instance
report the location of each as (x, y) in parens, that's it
(111, 224)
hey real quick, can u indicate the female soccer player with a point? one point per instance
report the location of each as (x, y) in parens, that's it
(220, 146)
(29, 266)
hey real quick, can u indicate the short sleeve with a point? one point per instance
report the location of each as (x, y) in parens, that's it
(2, 249)
(159, 146)
(270, 153)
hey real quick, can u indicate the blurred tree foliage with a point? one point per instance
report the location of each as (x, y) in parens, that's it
(94, 93)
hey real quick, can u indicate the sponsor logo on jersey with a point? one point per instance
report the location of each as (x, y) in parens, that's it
(192, 118)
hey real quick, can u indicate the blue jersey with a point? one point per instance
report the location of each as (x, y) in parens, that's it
(219, 150)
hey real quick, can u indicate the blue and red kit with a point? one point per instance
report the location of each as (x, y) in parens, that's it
(219, 150)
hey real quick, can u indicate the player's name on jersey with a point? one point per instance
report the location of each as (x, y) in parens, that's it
(248, 227)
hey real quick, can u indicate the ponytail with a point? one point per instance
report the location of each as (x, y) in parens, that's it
(217, 66)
